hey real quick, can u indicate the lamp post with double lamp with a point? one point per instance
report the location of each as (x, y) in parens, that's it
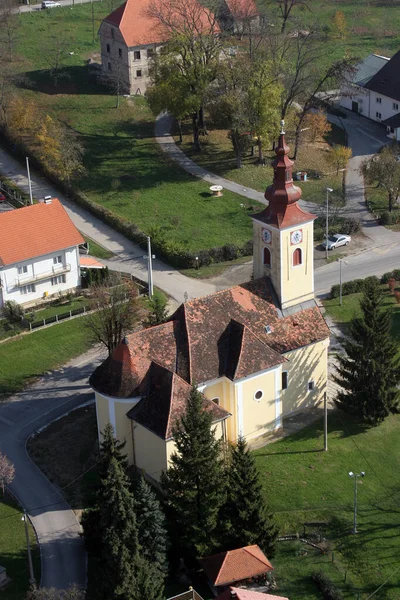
(149, 256)
(355, 476)
(340, 261)
(328, 191)
(28, 545)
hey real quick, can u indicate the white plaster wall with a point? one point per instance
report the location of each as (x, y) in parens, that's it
(350, 93)
(42, 265)
(385, 107)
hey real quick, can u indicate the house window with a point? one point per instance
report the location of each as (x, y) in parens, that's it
(57, 260)
(378, 100)
(311, 386)
(139, 73)
(120, 52)
(285, 379)
(28, 289)
(215, 400)
(112, 33)
(395, 106)
(22, 270)
(109, 66)
(150, 52)
(57, 280)
(108, 48)
(267, 257)
(136, 55)
(378, 115)
(297, 257)
(258, 395)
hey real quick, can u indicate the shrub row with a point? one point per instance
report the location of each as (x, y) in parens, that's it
(347, 226)
(352, 287)
(327, 587)
(390, 218)
(174, 253)
(391, 275)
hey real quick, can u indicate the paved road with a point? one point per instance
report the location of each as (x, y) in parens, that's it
(34, 7)
(62, 552)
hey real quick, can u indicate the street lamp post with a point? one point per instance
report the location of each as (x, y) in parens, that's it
(356, 476)
(328, 190)
(28, 544)
(29, 180)
(150, 257)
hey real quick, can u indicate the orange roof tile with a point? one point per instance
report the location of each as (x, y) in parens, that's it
(137, 27)
(236, 565)
(32, 231)
(88, 261)
(242, 594)
(242, 9)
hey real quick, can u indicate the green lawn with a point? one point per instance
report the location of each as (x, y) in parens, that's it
(23, 359)
(13, 550)
(304, 484)
(217, 155)
(96, 250)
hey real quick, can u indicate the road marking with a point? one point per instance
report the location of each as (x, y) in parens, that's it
(369, 135)
(6, 421)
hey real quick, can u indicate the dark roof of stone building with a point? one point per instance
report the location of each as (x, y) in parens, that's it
(387, 80)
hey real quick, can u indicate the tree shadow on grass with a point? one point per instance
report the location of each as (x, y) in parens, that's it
(70, 80)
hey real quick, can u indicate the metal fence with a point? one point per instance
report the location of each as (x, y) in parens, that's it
(56, 318)
(13, 197)
(191, 594)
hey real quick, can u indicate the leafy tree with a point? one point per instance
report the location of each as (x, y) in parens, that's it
(71, 153)
(7, 471)
(152, 535)
(195, 483)
(285, 8)
(117, 312)
(339, 156)
(370, 372)
(72, 593)
(158, 312)
(246, 516)
(340, 24)
(384, 169)
(316, 125)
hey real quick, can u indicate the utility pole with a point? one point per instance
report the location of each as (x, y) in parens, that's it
(29, 180)
(28, 544)
(340, 260)
(150, 267)
(94, 39)
(356, 476)
(325, 422)
(328, 190)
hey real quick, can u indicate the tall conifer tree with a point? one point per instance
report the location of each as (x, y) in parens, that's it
(370, 371)
(246, 516)
(195, 482)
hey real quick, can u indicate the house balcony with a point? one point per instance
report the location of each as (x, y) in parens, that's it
(55, 270)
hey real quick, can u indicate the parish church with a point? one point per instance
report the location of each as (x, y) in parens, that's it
(257, 351)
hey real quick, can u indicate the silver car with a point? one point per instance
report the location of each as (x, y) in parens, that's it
(334, 241)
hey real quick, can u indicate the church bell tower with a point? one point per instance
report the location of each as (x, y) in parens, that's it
(283, 235)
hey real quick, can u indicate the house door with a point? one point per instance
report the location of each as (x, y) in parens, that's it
(354, 106)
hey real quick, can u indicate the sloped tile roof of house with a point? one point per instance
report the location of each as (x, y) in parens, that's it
(234, 333)
(236, 565)
(367, 68)
(387, 80)
(165, 402)
(137, 27)
(242, 9)
(35, 230)
(243, 594)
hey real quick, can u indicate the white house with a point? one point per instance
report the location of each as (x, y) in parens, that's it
(374, 91)
(39, 255)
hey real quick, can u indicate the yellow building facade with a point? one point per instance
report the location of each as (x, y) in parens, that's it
(257, 352)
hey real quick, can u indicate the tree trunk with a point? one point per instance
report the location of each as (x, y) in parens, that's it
(196, 132)
(236, 147)
(202, 121)
(180, 130)
(390, 196)
(297, 136)
(260, 151)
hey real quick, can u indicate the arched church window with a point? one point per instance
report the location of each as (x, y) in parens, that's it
(267, 257)
(297, 257)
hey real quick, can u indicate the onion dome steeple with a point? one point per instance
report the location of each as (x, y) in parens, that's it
(283, 196)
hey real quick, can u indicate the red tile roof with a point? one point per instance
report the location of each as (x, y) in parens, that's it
(89, 262)
(242, 9)
(236, 565)
(35, 230)
(243, 594)
(137, 27)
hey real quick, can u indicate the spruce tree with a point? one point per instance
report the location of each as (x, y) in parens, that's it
(152, 539)
(370, 371)
(195, 482)
(247, 519)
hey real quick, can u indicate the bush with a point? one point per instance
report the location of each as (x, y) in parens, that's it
(391, 275)
(14, 312)
(390, 218)
(352, 287)
(327, 587)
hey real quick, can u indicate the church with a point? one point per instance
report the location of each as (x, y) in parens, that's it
(257, 351)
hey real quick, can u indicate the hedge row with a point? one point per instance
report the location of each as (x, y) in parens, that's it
(391, 275)
(390, 218)
(327, 587)
(358, 285)
(172, 252)
(348, 226)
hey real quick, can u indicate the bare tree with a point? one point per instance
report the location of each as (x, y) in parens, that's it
(117, 313)
(71, 151)
(115, 81)
(383, 169)
(9, 26)
(7, 471)
(285, 8)
(56, 52)
(72, 593)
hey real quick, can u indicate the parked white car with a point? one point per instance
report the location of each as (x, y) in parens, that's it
(50, 4)
(334, 241)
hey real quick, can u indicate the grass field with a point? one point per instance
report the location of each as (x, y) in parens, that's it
(96, 250)
(13, 551)
(23, 359)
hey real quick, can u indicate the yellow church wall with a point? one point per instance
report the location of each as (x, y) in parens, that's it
(102, 412)
(150, 451)
(256, 417)
(224, 389)
(306, 364)
(123, 428)
(297, 281)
